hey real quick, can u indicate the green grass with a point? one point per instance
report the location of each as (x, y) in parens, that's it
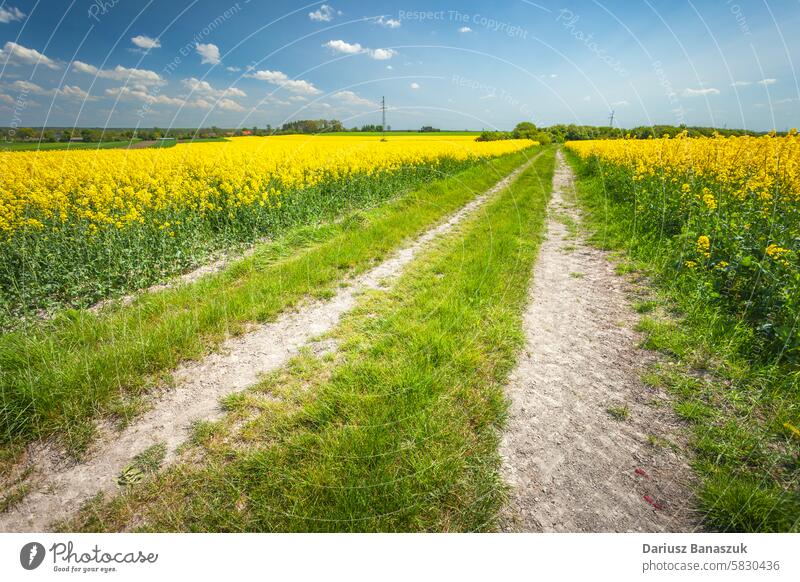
(13, 495)
(25, 146)
(736, 401)
(569, 223)
(59, 377)
(163, 144)
(145, 463)
(645, 306)
(620, 413)
(399, 430)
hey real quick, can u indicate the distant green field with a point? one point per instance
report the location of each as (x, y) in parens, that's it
(170, 143)
(404, 133)
(35, 145)
(203, 140)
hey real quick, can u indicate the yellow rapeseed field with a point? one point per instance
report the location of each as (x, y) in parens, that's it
(747, 168)
(77, 225)
(117, 188)
(730, 209)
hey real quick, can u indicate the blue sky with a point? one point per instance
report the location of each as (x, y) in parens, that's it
(454, 65)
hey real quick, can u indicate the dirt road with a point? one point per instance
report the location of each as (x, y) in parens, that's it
(581, 449)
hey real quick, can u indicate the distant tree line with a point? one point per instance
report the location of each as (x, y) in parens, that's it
(561, 133)
(331, 125)
(580, 132)
(523, 130)
(312, 126)
(97, 135)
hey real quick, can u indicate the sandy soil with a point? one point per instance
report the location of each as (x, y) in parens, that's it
(59, 486)
(572, 466)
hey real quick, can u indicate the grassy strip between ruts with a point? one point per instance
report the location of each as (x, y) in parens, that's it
(395, 431)
(744, 412)
(60, 377)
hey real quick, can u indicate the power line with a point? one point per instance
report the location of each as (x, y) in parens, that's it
(383, 115)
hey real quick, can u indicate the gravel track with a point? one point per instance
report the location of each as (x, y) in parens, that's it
(573, 466)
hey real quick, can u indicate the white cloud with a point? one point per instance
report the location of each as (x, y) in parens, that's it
(205, 89)
(766, 82)
(140, 93)
(700, 92)
(274, 102)
(282, 80)
(340, 46)
(382, 54)
(8, 99)
(388, 22)
(415, 86)
(587, 98)
(82, 67)
(233, 69)
(389, 67)
(740, 83)
(145, 42)
(229, 105)
(68, 91)
(10, 14)
(622, 103)
(16, 54)
(120, 73)
(209, 53)
(325, 13)
(351, 98)
(28, 87)
(75, 92)
(346, 48)
(464, 29)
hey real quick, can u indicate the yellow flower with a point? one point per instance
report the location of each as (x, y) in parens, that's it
(101, 189)
(776, 252)
(704, 245)
(709, 200)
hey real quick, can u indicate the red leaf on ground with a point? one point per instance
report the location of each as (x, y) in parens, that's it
(652, 502)
(641, 472)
